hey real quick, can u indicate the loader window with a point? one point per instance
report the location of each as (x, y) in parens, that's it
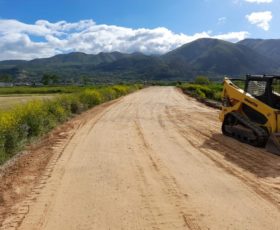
(276, 86)
(275, 96)
(256, 88)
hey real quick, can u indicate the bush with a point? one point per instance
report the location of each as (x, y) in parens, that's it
(200, 93)
(2, 141)
(202, 80)
(120, 90)
(35, 116)
(212, 91)
(218, 96)
(108, 93)
(12, 134)
(90, 97)
(57, 111)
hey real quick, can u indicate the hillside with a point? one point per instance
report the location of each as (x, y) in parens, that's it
(215, 56)
(211, 57)
(269, 48)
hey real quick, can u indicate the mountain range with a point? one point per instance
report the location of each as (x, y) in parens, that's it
(212, 57)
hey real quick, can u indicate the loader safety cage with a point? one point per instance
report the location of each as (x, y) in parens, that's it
(251, 113)
(265, 88)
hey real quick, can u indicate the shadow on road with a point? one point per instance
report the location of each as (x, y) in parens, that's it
(255, 160)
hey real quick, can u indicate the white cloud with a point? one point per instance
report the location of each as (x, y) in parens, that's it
(222, 20)
(17, 39)
(233, 36)
(261, 19)
(259, 1)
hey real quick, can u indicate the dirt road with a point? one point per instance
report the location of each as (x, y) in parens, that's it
(155, 159)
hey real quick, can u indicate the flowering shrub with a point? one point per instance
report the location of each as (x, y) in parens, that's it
(24, 122)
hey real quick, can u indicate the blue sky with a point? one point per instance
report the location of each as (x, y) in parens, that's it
(180, 21)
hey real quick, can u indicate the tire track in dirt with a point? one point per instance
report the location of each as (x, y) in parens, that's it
(169, 186)
(155, 159)
(57, 143)
(258, 163)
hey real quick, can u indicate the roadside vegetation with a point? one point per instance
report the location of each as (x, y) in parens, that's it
(202, 88)
(22, 123)
(9, 101)
(43, 89)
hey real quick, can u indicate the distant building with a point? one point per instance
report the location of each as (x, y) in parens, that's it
(6, 84)
(37, 84)
(22, 84)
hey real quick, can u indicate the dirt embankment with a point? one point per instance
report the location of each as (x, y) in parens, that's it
(155, 159)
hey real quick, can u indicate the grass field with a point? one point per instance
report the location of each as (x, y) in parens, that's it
(45, 89)
(11, 96)
(9, 101)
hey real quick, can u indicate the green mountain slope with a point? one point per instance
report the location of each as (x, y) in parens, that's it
(269, 48)
(220, 57)
(211, 57)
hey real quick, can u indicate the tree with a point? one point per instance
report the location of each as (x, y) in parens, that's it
(55, 79)
(85, 80)
(45, 80)
(49, 79)
(202, 80)
(6, 78)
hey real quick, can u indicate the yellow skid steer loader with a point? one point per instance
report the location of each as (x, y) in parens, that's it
(252, 114)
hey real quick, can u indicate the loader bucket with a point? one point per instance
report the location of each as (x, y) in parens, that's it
(273, 144)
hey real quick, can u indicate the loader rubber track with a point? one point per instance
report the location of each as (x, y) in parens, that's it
(238, 126)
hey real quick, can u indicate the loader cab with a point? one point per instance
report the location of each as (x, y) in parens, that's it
(265, 88)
